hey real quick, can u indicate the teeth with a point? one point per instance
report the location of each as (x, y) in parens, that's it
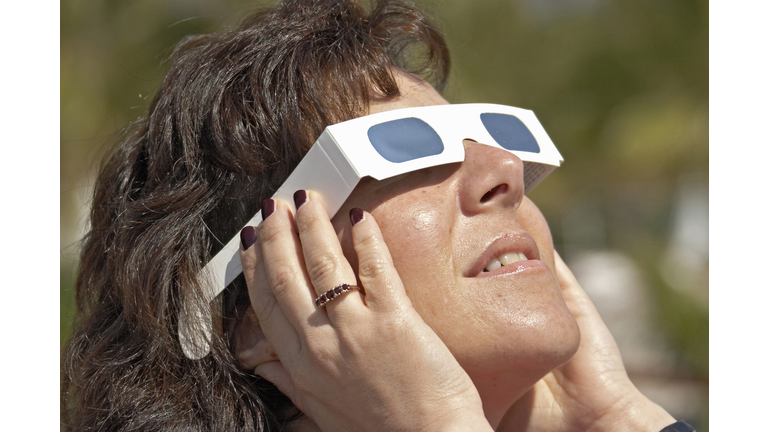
(506, 259)
(493, 265)
(512, 257)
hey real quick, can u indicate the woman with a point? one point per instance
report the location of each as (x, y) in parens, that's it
(428, 342)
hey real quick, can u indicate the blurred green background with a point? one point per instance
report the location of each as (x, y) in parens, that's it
(621, 86)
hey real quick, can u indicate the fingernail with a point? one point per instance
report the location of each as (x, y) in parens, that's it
(267, 208)
(356, 215)
(247, 237)
(299, 198)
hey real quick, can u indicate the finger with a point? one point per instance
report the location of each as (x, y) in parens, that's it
(274, 324)
(326, 264)
(376, 270)
(595, 336)
(284, 266)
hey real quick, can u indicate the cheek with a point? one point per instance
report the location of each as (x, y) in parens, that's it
(418, 238)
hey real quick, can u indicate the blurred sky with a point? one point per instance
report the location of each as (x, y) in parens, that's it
(621, 86)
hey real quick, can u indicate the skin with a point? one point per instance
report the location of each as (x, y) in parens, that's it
(508, 328)
(433, 343)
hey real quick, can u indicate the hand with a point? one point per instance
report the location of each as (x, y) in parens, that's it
(590, 392)
(366, 361)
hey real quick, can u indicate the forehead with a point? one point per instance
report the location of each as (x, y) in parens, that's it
(414, 92)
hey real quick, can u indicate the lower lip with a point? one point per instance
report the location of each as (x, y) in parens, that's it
(516, 268)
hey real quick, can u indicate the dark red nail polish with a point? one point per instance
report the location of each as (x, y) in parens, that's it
(267, 208)
(247, 237)
(356, 215)
(299, 198)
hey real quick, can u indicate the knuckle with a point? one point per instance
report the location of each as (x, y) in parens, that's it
(323, 266)
(281, 281)
(372, 266)
(269, 234)
(309, 221)
(367, 242)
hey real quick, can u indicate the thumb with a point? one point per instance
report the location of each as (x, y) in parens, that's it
(275, 372)
(577, 300)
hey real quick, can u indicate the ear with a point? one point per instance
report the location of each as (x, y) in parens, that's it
(251, 347)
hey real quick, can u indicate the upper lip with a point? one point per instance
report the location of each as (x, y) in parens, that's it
(505, 243)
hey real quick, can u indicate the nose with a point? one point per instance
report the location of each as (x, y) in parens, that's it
(490, 177)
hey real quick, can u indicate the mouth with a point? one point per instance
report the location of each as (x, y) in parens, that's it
(507, 253)
(503, 260)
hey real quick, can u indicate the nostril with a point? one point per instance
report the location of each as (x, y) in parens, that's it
(491, 193)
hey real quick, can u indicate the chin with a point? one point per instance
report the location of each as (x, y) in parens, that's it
(531, 349)
(546, 358)
(502, 377)
(551, 347)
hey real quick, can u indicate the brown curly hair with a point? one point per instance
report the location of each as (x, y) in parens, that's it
(234, 115)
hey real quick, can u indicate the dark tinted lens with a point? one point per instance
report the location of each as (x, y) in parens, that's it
(405, 139)
(509, 132)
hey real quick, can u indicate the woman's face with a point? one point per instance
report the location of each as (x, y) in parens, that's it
(443, 226)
